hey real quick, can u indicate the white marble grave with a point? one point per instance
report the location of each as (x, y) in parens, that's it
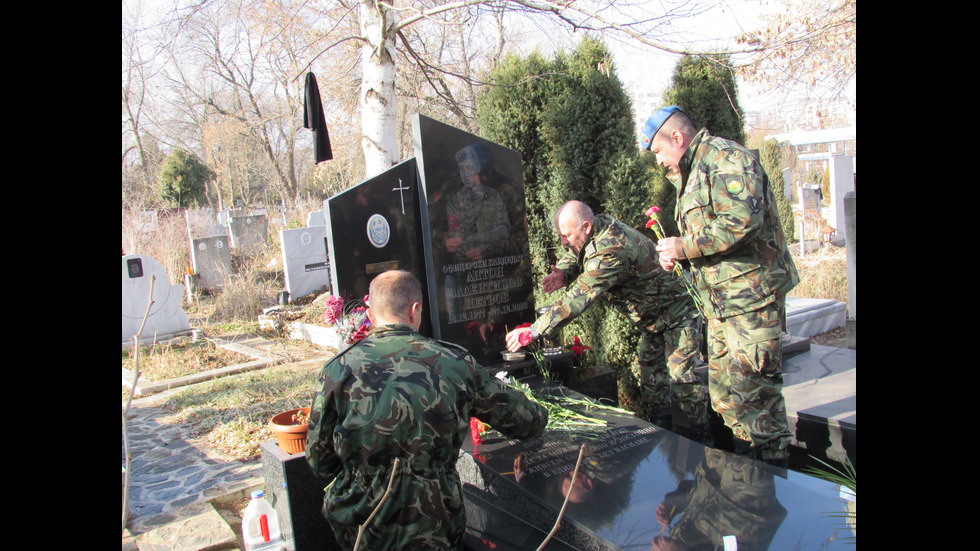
(315, 218)
(304, 258)
(166, 317)
(806, 317)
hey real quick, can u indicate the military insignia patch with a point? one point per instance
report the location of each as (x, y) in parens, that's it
(734, 184)
(378, 230)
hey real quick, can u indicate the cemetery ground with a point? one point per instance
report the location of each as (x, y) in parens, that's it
(233, 412)
(230, 414)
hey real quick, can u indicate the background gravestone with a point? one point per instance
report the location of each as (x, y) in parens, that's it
(476, 248)
(315, 218)
(248, 233)
(202, 223)
(373, 227)
(211, 259)
(841, 168)
(166, 317)
(306, 267)
(811, 197)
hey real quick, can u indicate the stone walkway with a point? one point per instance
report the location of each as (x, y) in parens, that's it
(174, 479)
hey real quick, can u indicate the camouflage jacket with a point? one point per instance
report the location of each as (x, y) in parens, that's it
(729, 224)
(397, 394)
(618, 264)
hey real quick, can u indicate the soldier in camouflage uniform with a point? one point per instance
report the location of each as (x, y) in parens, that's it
(731, 237)
(728, 496)
(478, 223)
(399, 395)
(608, 260)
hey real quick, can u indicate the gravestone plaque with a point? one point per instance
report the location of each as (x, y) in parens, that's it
(211, 259)
(373, 227)
(248, 233)
(639, 484)
(306, 267)
(476, 250)
(165, 317)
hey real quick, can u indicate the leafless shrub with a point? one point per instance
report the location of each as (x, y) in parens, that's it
(823, 274)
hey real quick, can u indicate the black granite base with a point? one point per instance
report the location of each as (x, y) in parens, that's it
(643, 485)
(297, 496)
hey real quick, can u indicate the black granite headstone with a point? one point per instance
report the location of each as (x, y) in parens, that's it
(476, 250)
(373, 227)
(297, 496)
(639, 484)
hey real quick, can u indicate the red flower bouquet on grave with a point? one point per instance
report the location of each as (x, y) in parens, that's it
(350, 320)
(579, 352)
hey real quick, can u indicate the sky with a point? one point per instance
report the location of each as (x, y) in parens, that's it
(643, 68)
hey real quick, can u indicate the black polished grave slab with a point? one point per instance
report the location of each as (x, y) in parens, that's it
(297, 496)
(642, 487)
(373, 227)
(477, 253)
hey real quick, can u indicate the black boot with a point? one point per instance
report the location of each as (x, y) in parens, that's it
(700, 434)
(661, 419)
(743, 448)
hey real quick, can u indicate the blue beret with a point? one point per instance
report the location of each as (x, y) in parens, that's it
(656, 120)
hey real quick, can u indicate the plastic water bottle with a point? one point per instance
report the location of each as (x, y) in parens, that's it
(260, 525)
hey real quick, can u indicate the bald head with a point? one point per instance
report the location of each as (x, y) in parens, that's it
(395, 296)
(574, 222)
(574, 212)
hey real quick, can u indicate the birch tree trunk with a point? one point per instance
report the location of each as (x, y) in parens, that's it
(379, 140)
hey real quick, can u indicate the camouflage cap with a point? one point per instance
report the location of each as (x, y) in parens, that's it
(656, 120)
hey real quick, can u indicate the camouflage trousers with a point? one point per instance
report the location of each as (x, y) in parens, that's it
(665, 369)
(745, 379)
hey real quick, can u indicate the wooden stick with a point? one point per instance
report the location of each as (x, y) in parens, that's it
(391, 482)
(571, 486)
(129, 403)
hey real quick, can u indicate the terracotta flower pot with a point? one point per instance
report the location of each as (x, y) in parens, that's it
(289, 436)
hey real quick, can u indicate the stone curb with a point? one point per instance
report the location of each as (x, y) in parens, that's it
(263, 359)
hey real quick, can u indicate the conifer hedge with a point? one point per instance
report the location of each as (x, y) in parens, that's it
(574, 125)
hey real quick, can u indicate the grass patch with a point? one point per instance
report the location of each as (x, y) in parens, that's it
(823, 274)
(233, 412)
(180, 357)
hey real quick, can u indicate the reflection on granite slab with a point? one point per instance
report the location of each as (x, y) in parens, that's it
(640, 486)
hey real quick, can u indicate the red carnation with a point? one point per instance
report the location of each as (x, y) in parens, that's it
(476, 427)
(524, 338)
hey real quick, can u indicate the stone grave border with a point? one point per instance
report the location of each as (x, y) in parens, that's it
(262, 359)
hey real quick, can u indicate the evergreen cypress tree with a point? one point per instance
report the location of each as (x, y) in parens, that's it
(183, 179)
(705, 89)
(573, 123)
(772, 162)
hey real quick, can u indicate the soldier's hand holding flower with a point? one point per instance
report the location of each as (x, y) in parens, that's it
(667, 247)
(519, 337)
